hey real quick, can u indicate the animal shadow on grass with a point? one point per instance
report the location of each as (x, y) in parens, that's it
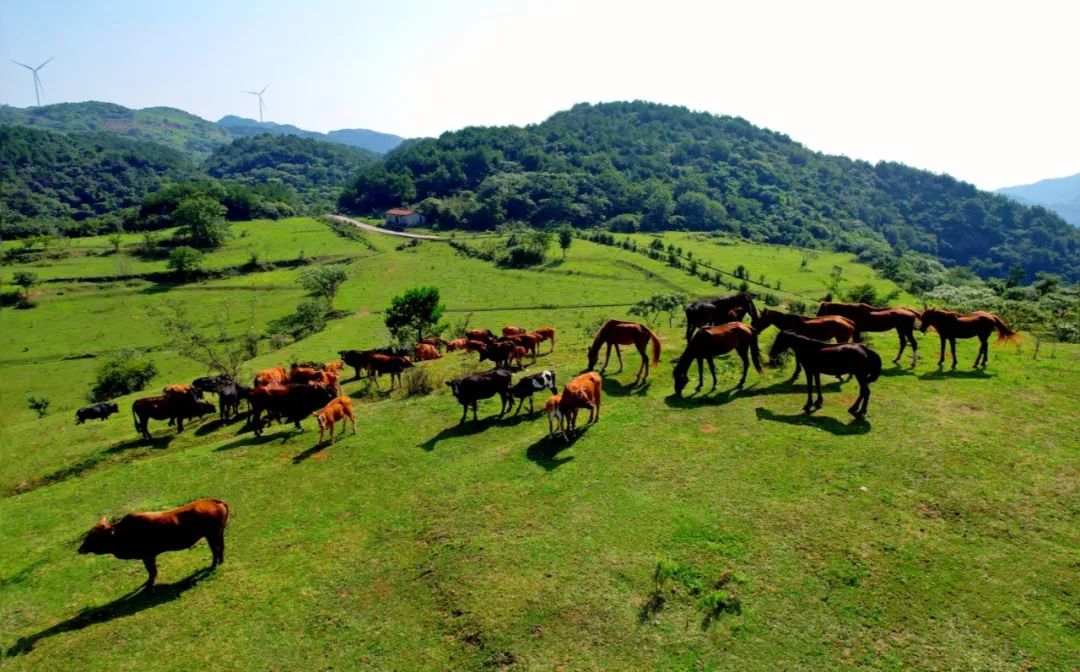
(941, 373)
(253, 440)
(831, 425)
(317, 448)
(218, 423)
(545, 452)
(127, 605)
(467, 428)
(897, 370)
(616, 389)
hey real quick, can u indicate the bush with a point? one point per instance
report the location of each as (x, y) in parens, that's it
(123, 373)
(184, 260)
(797, 306)
(40, 405)
(418, 382)
(771, 299)
(323, 282)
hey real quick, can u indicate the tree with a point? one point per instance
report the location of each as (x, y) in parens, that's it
(323, 282)
(122, 373)
(202, 221)
(184, 260)
(116, 240)
(414, 313)
(566, 237)
(26, 280)
(222, 349)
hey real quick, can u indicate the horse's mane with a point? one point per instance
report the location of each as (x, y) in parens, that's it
(596, 342)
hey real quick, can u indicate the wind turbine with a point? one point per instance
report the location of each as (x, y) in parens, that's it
(259, 94)
(37, 80)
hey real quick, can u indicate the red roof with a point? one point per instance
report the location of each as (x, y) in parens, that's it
(400, 213)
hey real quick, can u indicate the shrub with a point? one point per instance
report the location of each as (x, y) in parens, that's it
(323, 282)
(797, 306)
(418, 382)
(40, 405)
(202, 221)
(122, 373)
(184, 260)
(771, 299)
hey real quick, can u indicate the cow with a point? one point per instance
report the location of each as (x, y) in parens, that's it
(484, 335)
(337, 410)
(433, 341)
(358, 359)
(182, 388)
(303, 374)
(276, 374)
(426, 352)
(144, 536)
(554, 415)
(473, 345)
(527, 341)
(327, 379)
(291, 402)
(380, 364)
(334, 366)
(499, 353)
(457, 344)
(100, 411)
(210, 383)
(173, 407)
(229, 398)
(546, 334)
(581, 392)
(470, 389)
(525, 387)
(512, 331)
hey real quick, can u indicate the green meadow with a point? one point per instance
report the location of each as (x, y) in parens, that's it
(940, 534)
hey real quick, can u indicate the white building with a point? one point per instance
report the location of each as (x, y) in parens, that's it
(400, 218)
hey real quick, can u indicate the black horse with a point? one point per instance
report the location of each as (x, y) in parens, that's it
(819, 357)
(721, 310)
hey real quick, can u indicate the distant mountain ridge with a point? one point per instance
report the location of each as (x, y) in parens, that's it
(1060, 194)
(354, 137)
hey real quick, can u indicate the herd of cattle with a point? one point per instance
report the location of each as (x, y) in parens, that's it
(714, 327)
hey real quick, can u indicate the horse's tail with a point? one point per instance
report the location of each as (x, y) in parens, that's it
(655, 347)
(1005, 334)
(873, 368)
(755, 354)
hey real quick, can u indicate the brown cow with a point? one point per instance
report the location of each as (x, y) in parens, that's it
(426, 352)
(181, 388)
(328, 380)
(554, 415)
(512, 331)
(581, 392)
(276, 374)
(337, 410)
(457, 344)
(484, 335)
(380, 364)
(334, 366)
(472, 345)
(303, 374)
(546, 334)
(144, 536)
(527, 341)
(173, 407)
(288, 402)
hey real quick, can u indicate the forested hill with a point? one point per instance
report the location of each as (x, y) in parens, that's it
(54, 176)
(355, 137)
(167, 126)
(649, 166)
(315, 170)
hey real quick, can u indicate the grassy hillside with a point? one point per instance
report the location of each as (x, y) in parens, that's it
(939, 534)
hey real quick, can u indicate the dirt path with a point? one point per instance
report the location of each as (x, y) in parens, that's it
(387, 232)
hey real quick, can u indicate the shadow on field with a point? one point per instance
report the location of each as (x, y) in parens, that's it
(942, 373)
(218, 423)
(253, 440)
(831, 425)
(127, 605)
(614, 388)
(897, 370)
(545, 452)
(92, 461)
(467, 428)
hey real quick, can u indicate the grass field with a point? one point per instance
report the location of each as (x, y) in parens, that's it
(939, 534)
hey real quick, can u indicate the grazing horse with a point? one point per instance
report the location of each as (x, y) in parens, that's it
(619, 333)
(819, 357)
(869, 318)
(546, 334)
(823, 328)
(707, 343)
(719, 310)
(951, 326)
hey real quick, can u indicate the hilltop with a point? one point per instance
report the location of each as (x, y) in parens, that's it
(644, 166)
(1060, 194)
(363, 138)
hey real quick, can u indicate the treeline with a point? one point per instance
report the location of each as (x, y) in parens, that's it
(647, 167)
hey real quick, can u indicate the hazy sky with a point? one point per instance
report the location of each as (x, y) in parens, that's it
(985, 91)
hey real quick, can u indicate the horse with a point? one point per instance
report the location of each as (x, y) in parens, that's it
(719, 310)
(823, 328)
(869, 318)
(819, 357)
(619, 333)
(707, 343)
(951, 326)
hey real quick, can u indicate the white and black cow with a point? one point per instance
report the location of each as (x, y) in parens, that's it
(525, 387)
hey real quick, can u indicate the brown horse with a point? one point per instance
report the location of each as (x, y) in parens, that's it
(825, 328)
(707, 343)
(719, 310)
(951, 326)
(619, 333)
(819, 357)
(869, 318)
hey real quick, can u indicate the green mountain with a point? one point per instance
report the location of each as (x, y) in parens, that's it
(167, 126)
(354, 137)
(1060, 194)
(68, 178)
(314, 169)
(643, 166)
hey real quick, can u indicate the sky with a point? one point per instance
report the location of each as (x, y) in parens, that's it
(985, 91)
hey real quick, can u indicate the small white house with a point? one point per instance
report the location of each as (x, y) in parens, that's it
(399, 218)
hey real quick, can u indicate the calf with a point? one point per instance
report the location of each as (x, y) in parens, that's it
(470, 389)
(433, 341)
(525, 387)
(327, 379)
(426, 352)
(546, 334)
(380, 364)
(174, 407)
(144, 536)
(554, 415)
(291, 402)
(336, 410)
(274, 375)
(527, 341)
(100, 411)
(581, 392)
(334, 366)
(456, 344)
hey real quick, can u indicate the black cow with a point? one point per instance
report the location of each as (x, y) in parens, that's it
(470, 389)
(210, 383)
(291, 402)
(229, 398)
(100, 411)
(525, 387)
(358, 359)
